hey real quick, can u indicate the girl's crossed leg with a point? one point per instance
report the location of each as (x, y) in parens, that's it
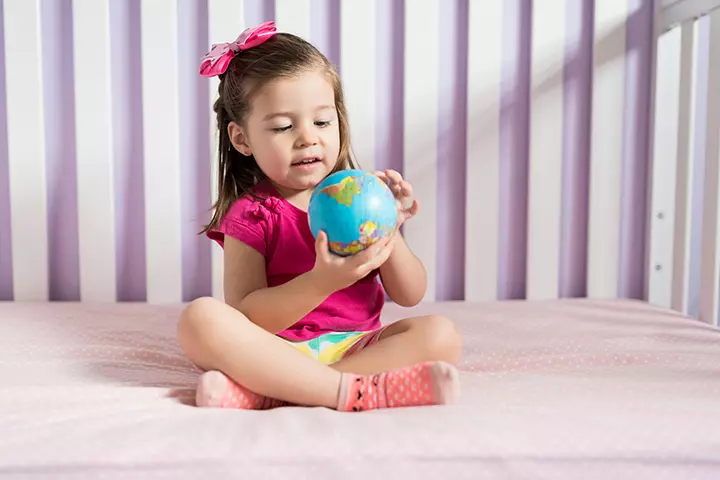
(404, 343)
(259, 367)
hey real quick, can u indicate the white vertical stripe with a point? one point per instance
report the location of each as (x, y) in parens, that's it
(357, 57)
(422, 40)
(483, 149)
(684, 180)
(665, 148)
(226, 22)
(96, 206)
(546, 150)
(710, 270)
(161, 137)
(606, 153)
(26, 149)
(670, 200)
(293, 16)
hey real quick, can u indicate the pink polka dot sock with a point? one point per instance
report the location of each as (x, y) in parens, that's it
(218, 391)
(430, 383)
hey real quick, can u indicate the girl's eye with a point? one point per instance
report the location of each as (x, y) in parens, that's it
(281, 129)
(322, 124)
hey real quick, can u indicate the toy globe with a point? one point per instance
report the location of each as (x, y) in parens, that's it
(354, 208)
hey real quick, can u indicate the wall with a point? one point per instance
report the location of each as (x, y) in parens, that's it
(452, 134)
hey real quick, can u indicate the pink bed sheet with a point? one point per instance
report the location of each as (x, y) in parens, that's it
(568, 389)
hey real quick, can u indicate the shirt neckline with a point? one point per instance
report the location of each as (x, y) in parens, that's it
(269, 188)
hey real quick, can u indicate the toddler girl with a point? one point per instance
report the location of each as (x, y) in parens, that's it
(300, 325)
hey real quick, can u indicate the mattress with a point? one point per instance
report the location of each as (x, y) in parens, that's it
(550, 390)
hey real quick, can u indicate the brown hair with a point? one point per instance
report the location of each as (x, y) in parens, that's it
(282, 56)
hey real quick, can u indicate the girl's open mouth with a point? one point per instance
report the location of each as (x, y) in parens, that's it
(306, 162)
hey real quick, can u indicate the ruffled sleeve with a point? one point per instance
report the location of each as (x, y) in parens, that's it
(250, 221)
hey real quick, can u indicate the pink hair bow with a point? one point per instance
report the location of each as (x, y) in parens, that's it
(218, 58)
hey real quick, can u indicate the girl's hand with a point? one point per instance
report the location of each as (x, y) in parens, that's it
(401, 188)
(333, 272)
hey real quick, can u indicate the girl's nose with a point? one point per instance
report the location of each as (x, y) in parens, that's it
(307, 137)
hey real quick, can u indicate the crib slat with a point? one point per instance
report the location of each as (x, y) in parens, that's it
(546, 150)
(606, 148)
(483, 150)
(293, 16)
(26, 149)
(665, 163)
(669, 252)
(225, 22)
(684, 179)
(159, 51)
(357, 57)
(710, 270)
(422, 40)
(95, 186)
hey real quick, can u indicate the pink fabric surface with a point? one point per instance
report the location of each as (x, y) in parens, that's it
(557, 390)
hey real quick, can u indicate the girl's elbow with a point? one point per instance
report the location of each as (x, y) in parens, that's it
(408, 303)
(409, 299)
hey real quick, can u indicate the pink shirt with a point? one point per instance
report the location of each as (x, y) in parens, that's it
(280, 232)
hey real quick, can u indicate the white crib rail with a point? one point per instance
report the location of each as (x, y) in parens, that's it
(422, 40)
(546, 151)
(161, 155)
(710, 271)
(26, 149)
(95, 157)
(225, 19)
(675, 123)
(293, 16)
(606, 156)
(483, 151)
(672, 13)
(357, 20)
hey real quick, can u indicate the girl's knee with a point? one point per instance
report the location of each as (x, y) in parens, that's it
(190, 325)
(443, 338)
(196, 315)
(200, 322)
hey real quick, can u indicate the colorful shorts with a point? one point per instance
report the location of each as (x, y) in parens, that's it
(332, 347)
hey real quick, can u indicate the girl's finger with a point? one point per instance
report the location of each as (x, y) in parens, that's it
(322, 249)
(381, 257)
(408, 204)
(369, 253)
(406, 188)
(413, 209)
(381, 175)
(394, 176)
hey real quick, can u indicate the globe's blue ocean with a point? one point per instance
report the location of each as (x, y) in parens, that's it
(354, 208)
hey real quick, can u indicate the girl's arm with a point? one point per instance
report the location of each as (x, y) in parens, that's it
(403, 275)
(275, 308)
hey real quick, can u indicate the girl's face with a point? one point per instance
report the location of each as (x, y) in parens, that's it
(292, 131)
